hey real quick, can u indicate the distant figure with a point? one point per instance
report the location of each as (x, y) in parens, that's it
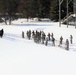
(61, 39)
(29, 34)
(52, 35)
(67, 44)
(1, 33)
(49, 36)
(33, 34)
(43, 37)
(46, 41)
(53, 41)
(71, 39)
(22, 34)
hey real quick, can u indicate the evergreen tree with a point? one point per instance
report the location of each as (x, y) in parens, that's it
(54, 10)
(8, 7)
(35, 8)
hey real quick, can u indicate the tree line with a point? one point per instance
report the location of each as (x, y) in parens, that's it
(34, 8)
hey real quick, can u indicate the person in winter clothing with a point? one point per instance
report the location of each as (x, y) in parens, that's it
(71, 39)
(1, 33)
(48, 36)
(22, 34)
(53, 41)
(61, 39)
(52, 35)
(67, 44)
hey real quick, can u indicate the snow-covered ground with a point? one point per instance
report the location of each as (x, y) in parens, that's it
(20, 56)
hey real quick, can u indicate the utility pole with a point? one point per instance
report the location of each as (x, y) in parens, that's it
(59, 14)
(67, 14)
(74, 9)
(60, 2)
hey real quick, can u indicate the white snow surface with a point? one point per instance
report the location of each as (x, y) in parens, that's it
(20, 56)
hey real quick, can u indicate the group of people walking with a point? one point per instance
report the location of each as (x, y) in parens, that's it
(41, 37)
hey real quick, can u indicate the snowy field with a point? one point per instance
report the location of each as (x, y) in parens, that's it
(20, 56)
